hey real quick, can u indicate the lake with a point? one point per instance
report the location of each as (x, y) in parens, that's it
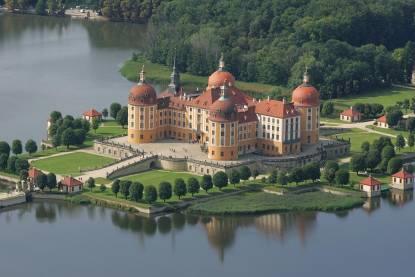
(60, 239)
(60, 64)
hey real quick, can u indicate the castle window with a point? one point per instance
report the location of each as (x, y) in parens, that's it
(222, 125)
(132, 108)
(221, 154)
(132, 124)
(141, 136)
(142, 110)
(213, 153)
(132, 136)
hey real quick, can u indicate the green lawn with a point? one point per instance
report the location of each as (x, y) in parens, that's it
(70, 164)
(161, 74)
(155, 177)
(355, 179)
(389, 131)
(260, 202)
(386, 97)
(357, 137)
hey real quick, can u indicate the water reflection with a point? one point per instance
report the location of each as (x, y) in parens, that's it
(371, 204)
(399, 197)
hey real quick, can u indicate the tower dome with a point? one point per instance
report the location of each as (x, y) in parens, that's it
(223, 109)
(219, 76)
(142, 93)
(306, 95)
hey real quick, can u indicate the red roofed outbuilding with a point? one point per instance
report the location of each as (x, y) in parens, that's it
(402, 180)
(32, 176)
(350, 115)
(382, 122)
(371, 186)
(70, 185)
(91, 114)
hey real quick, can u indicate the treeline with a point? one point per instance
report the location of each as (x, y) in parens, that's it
(129, 10)
(42, 7)
(15, 164)
(349, 46)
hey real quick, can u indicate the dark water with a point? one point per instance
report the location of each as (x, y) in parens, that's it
(59, 64)
(58, 239)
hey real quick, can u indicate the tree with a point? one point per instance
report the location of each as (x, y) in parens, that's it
(393, 117)
(358, 163)
(342, 177)
(234, 177)
(17, 147)
(150, 194)
(328, 108)
(282, 178)
(51, 181)
(165, 191)
(24, 174)
(394, 165)
(411, 140)
(206, 183)
(56, 141)
(312, 171)
(40, 7)
(387, 153)
(125, 188)
(400, 142)
(245, 173)
(11, 164)
(193, 185)
(41, 181)
(4, 148)
(114, 109)
(80, 136)
(115, 187)
(90, 183)
(68, 137)
(55, 116)
(330, 169)
(105, 113)
(406, 104)
(272, 178)
(136, 191)
(180, 187)
(220, 180)
(3, 161)
(21, 164)
(297, 175)
(372, 159)
(255, 173)
(95, 124)
(102, 188)
(122, 116)
(365, 146)
(31, 147)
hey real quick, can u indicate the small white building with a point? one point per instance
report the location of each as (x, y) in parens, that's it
(91, 115)
(370, 186)
(350, 115)
(402, 180)
(382, 122)
(70, 185)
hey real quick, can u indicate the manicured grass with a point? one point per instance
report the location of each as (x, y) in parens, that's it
(355, 179)
(161, 74)
(332, 121)
(71, 164)
(386, 97)
(389, 131)
(102, 181)
(357, 137)
(109, 128)
(155, 177)
(260, 202)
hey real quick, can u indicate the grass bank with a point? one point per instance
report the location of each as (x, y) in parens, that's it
(260, 202)
(160, 74)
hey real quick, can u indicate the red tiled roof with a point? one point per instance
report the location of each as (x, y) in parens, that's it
(382, 119)
(403, 174)
(306, 95)
(246, 114)
(370, 181)
(70, 182)
(350, 112)
(92, 113)
(275, 108)
(33, 172)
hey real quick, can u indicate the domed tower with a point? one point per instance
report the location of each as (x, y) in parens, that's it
(306, 100)
(217, 78)
(142, 110)
(223, 122)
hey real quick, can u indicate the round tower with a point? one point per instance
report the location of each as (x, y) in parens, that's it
(142, 109)
(306, 100)
(223, 122)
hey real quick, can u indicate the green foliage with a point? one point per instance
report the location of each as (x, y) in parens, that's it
(282, 178)
(272, 178)
(105, 112)
(297, 175)
(369, 110)
(372, 159)
(122, 116)
(388, 152)
(234, 177)
(125, 188)
(393, 117)
(11, 164)
(41, 181)
(115, 187)
(342, 177)
(358, 163)
(245, 173)
(180, 187)
(3, 161)
(165, 191)
(51, 181)
(150, 194)
(40, 7)
(68, 137)
(193, 185)
(114, 109)
(311, 171)
(365, 146)
(95, 124)
(411, 140)
(328, 108)
(17, 147)
(394, 165)
(330, 169)
(136, 191)
(206, 184)
(4, 148)
(255, 173)
(400, 142)
(90, 183)
(220, 179)
(103, 188)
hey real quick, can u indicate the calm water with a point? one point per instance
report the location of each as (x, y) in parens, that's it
(58, 239)
(59, 64)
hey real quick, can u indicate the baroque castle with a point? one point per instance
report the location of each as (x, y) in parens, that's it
(224, 120)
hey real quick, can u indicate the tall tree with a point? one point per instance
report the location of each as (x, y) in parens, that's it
(122, 116)
(220, 179)
(31, 146)
(115, 187)
(180, 187)
(114, 109)
(206, 183)
(165, 191)
(17, 147)
(193, 185)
